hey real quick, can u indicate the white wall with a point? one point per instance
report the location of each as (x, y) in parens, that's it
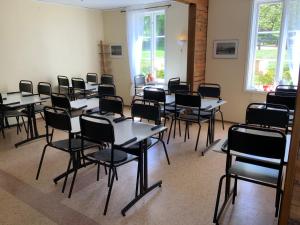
(114, 24)
(230, 19)
(38, 41)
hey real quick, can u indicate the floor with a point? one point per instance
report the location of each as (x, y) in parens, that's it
(187, 195)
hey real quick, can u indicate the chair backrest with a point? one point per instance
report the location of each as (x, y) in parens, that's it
(26, 86)
(63, 81)
(92, 78)
(107, 79)
(139, 80)
(146, 109)
(281, 98)
(44, 88)
(154, 94)
(57, 118)
(254, 141)
(210, 90)
(96, 129)
(61, 101)
(286, 88)
(268, 115)
(181, 87)
(188, 99)
(171, 83)
(78, 83)
(106, 89)
(111, 104)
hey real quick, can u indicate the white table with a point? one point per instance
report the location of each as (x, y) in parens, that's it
(86, 104)
(17, 99)
(136, 132)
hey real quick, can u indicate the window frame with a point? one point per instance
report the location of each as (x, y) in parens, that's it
(153, 38)
(253, 34)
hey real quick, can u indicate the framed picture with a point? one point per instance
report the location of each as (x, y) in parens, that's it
(116, 51)
(225, 49)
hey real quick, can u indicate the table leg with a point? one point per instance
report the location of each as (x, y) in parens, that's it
(144, 189)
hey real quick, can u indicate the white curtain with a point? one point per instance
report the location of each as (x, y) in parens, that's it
(135, 29)
(293, 37)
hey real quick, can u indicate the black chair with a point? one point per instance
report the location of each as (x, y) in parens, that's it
(44, 91)
(190, 105)
(150, 111)
(92, 78)
(26, 86)
(268, 115)
(63, 84)
(106, 89)
(98, 130)
(79, 89)
(158, 95)
(287, 88)
(282, 98)
(63, 102)
(171, 83)
(260, 145)
(210, 90)
(10, 112)
(139, 84)
(107, 79)
(111, 104)
(59, 119)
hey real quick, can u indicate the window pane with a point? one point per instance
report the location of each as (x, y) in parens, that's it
(160, 25)
(147, 26)
(268, 35)
(159, 61)
(146, 56)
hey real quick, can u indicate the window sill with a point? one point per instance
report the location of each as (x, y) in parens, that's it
(253, 91)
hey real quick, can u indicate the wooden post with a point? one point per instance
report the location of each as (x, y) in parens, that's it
(191, 43)
(290, 207)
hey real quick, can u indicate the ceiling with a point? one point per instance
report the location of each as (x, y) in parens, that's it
(103, 4)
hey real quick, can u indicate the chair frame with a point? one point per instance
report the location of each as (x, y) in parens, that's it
(26, 84)
(109, 80)
(92, 76)
(254, 148)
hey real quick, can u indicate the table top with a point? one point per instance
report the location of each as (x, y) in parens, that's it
(206, 103)
(221, 147)
(21, 99)
(125, 130)
(89, 104)
(161, 86)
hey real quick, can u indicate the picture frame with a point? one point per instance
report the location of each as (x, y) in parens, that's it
(116, 51)
(226, 49)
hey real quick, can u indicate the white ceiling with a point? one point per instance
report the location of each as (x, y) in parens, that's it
(103, 4)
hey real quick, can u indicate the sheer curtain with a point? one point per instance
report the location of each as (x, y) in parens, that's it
(135, 29)
(293, 37)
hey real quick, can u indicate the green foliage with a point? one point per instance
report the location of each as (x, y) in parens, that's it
(270, 17)
(160, 74)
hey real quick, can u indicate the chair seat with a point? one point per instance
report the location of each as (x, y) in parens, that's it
(75, 144)
(254, 172)
(105, 156)
(14, 113)
(135, 149)
(39, 108)
(192, 118)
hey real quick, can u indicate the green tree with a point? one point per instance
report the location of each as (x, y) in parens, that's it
(270, 17)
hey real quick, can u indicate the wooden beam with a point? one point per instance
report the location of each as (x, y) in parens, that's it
(191, 43)
(291, 167)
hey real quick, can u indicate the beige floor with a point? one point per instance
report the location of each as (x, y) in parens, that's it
(187, 196)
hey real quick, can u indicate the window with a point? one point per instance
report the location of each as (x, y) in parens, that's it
(153, 47)
(269, 63)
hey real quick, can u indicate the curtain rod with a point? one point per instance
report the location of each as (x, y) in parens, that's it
(152, 7)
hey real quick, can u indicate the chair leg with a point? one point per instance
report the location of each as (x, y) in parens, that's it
(42, 115)
(105, 169)
(116, 174)
(23, 121)
(109, 191)
(221, 113)
(67, 175)
(179, 122)
(137, 180)
(75, 167)
(234, 190)
(174, 128)
(41, 162)
(170, 131)
(215, 219)
(98, 171)
(198, 137)
(165, 149)
(277, 201)
(186, 127)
